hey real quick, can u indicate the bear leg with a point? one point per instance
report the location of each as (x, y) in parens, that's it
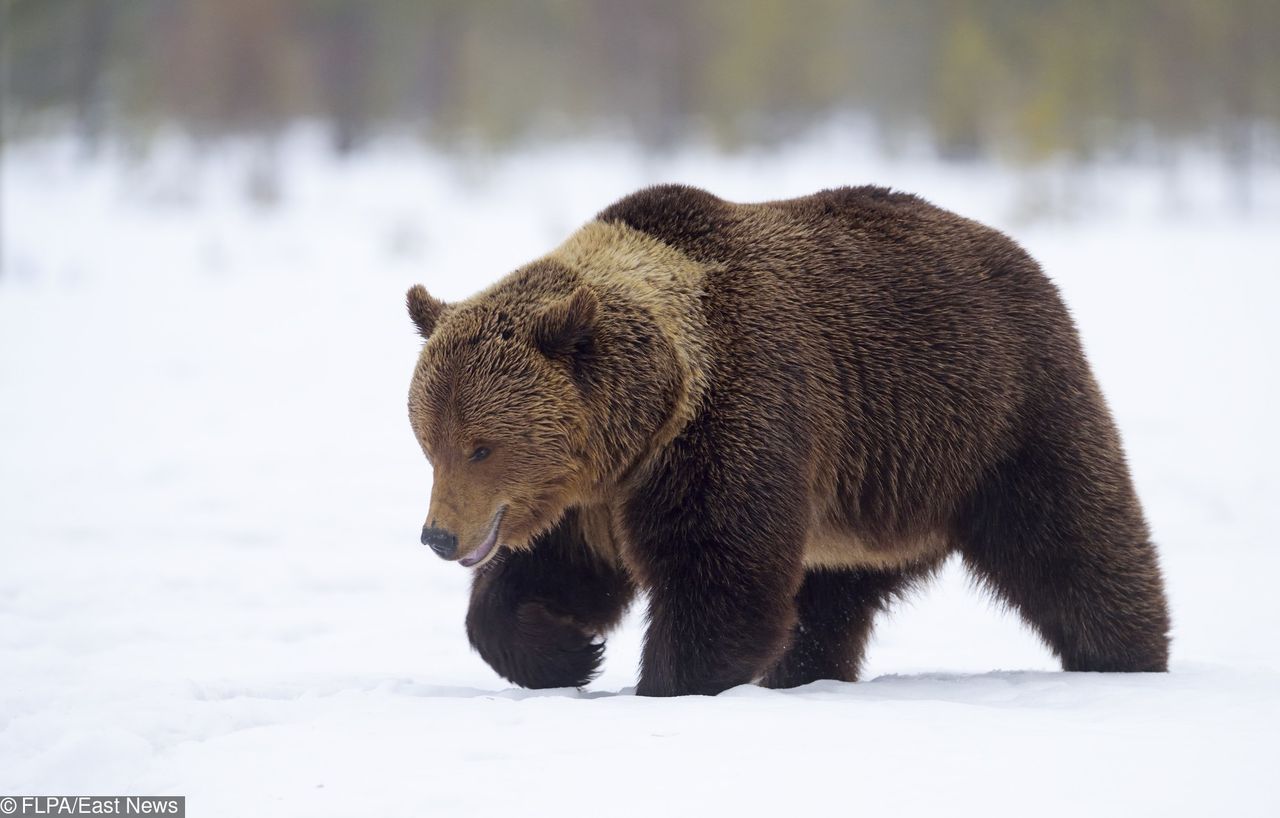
(1058, 533)
(836, 610)
(721, 605)
(538, 617)
(705, 639)
(714, 532)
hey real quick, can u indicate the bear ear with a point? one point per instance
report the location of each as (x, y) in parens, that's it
(563, 329)
(423, 309)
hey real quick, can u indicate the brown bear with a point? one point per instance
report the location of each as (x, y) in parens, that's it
(773, 419)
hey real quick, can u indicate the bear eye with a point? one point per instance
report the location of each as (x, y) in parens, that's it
(479, 454)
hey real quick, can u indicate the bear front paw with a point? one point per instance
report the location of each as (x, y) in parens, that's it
(535, 647)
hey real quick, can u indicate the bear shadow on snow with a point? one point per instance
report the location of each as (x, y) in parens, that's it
(774, 419)
(1001, 687)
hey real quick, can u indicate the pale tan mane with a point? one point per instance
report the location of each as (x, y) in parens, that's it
(618, 260)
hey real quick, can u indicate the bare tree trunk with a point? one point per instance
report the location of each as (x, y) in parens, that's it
(346, 72)
(4, 122)
(438, 82)
(90, 97)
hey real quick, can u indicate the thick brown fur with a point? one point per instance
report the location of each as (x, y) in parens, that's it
(773, 418)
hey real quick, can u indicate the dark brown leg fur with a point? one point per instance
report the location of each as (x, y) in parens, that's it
(719, 553)
(1058, 533)
(836, 609)
(538, 617)
(708, 636)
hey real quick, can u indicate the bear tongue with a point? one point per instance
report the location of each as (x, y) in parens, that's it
(490, 542)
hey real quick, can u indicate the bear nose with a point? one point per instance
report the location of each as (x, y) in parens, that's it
(440, 541)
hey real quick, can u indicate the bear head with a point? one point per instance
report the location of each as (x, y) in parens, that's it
(555, 388)
(497, 404)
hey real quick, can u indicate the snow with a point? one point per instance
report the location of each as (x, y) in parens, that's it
(210, 498)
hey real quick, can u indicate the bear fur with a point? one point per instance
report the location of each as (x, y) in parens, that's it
(773, 419)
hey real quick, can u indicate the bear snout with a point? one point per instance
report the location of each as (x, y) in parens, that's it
(444, 543)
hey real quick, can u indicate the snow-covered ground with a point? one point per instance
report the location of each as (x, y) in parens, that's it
(210, 581)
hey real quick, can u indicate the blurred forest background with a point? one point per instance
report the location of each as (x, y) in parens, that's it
(1020, 80)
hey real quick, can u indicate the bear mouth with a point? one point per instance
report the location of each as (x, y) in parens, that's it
(488, 547)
